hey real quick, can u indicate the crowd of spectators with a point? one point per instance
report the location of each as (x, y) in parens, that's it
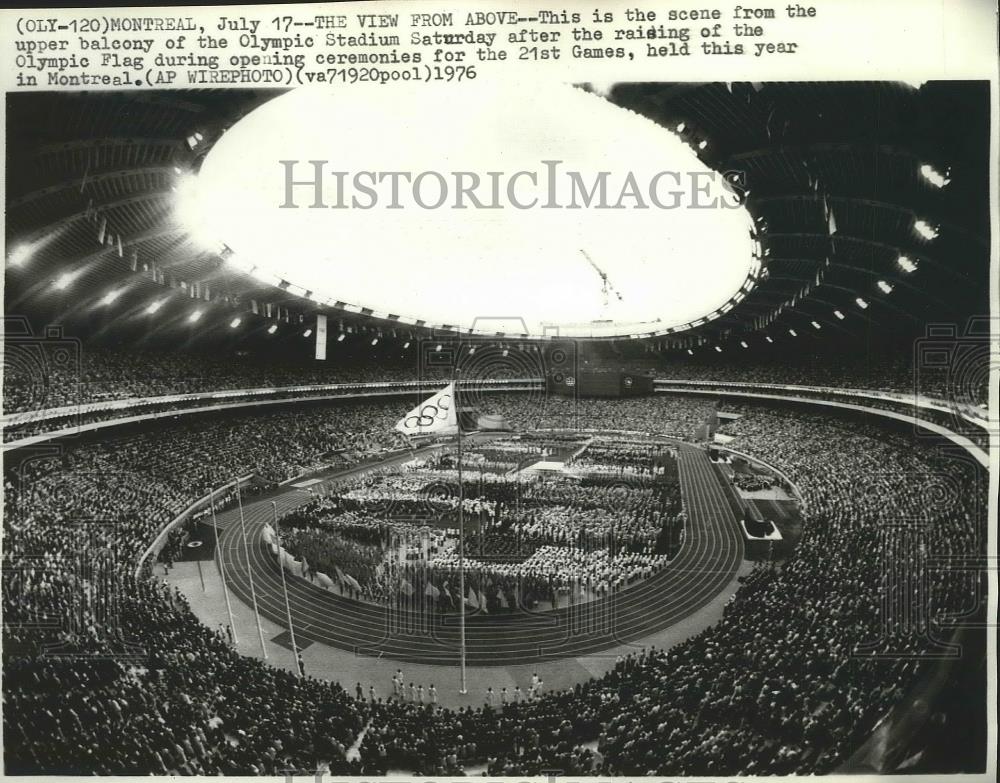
(958, 381)
(46, 378)
(105, 673)
(682, 417)
(93, 374)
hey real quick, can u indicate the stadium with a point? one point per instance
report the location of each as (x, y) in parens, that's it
(605, 487)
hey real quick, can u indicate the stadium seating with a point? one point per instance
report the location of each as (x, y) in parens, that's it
(785, 652)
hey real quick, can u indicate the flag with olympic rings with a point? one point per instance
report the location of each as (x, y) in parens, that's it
(434, 415)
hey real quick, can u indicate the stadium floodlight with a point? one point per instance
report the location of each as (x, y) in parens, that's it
(307, 333)
(862, 303)
(884, 287)
(816, 325)
(926, 229)
(935, 177)
(906, 264)
(341, 337)
(20, 254)
(272, 328)
(154, 307)
(110, 297)
(793, 333)
(194, 317)
(235, 322)
(839, 314)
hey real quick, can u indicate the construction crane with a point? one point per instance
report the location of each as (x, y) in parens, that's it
(606, 285)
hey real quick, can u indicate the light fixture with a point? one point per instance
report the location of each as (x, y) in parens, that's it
(504, 352)
(690, 352)
(272, 328)
(793, 333)
(154, 307)
(472, 350)
(374, 341)
(307, 333)
(718, 349)
(64, 280)
(935, 177)
(235, 322)
(768, 338)
(702, 144)
(340, 339)
(839, 314)
(438, 349)
(744, 343)
(19, 254)
(406, 345)
(884, 287)
(925, 229)
(862, 303)
(109, 297)
(816, 325)
(906, 264)
(680, 127)
(194, 317)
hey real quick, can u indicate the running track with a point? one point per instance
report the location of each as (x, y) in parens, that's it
(709, 557)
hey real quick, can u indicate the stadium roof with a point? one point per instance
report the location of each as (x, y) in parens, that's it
(875, 192)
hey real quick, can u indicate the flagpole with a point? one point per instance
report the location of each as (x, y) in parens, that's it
(222, 565)
(461, 543)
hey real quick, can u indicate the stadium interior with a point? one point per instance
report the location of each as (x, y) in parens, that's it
(681, 551)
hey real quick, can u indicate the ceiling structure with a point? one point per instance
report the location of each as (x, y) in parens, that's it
(870, 202)
(498, 208)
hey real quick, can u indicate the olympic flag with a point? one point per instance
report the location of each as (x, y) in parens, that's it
(439, 414)
(434, 415)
